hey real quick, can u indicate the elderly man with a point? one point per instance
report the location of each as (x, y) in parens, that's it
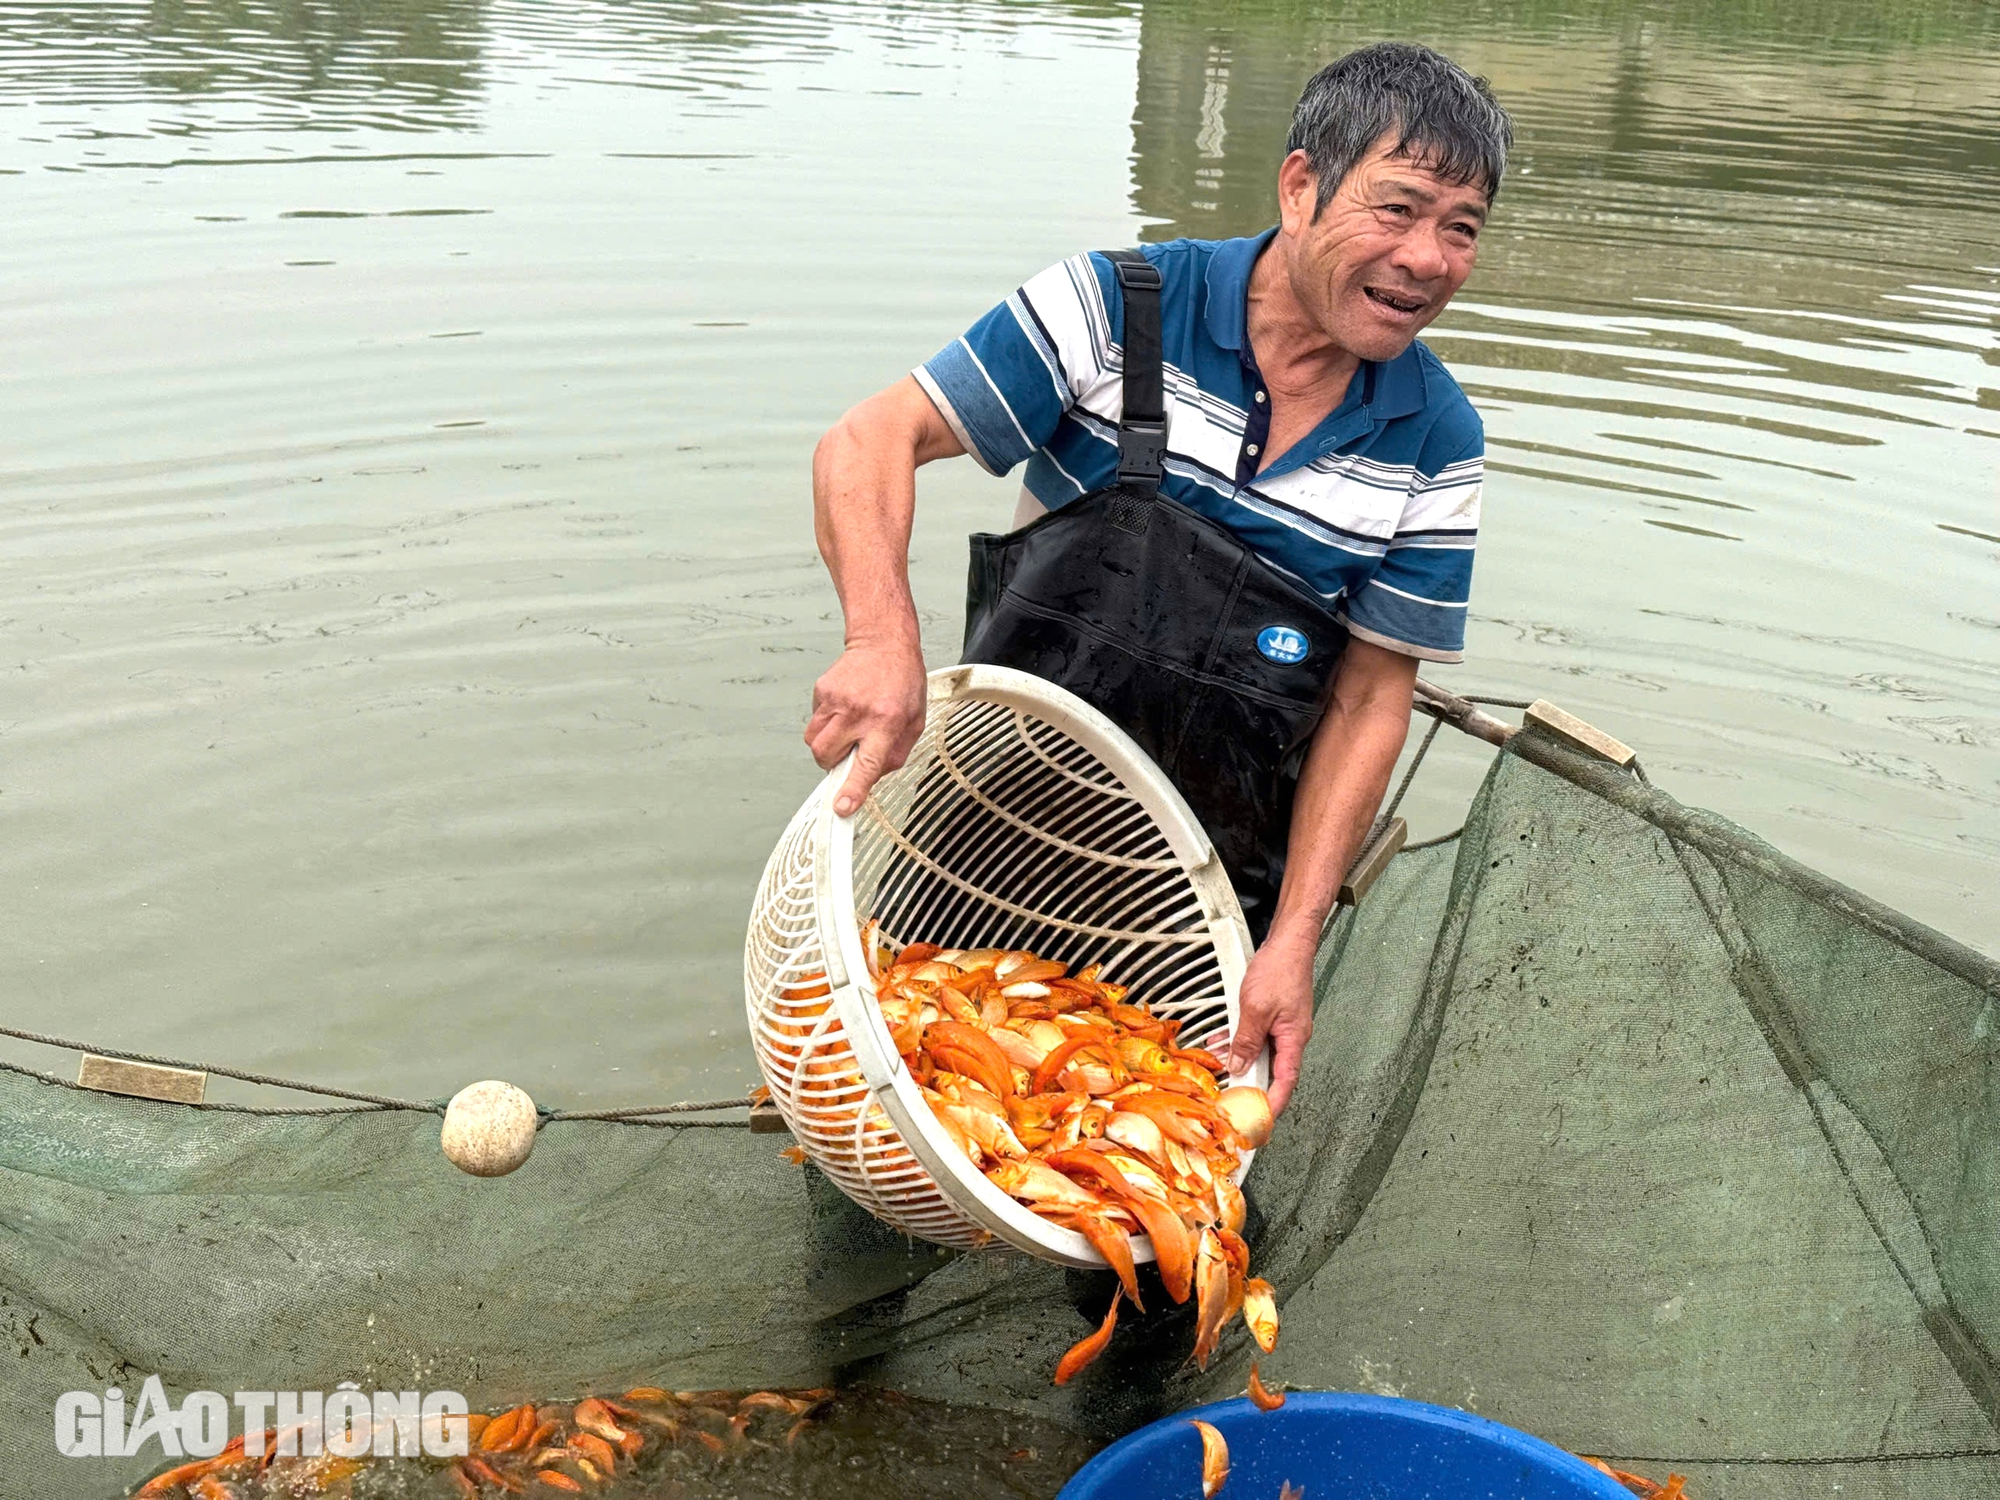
(1249, 509)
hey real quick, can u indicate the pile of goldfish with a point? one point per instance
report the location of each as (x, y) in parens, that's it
(1086, 1108)
(548, 1449)
(567, 1448)
(232, 1474)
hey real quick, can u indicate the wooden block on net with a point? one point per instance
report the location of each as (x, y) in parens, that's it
(765, 1119)
(1576, 733)
(112, 1075)
(1373, 861)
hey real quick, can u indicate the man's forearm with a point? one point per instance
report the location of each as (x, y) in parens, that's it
(1347, 770)
(864, 502)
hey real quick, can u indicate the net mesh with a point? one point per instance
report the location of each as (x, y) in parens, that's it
(1616, 1126)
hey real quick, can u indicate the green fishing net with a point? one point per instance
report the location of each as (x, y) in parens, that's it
(1617, 1126)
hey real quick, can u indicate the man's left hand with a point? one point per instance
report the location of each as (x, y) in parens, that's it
(1275, 1004)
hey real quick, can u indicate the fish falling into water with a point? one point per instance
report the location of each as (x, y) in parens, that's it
(1214, 1459)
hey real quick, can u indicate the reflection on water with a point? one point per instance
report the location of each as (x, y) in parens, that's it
(241, 65)
(409, 605)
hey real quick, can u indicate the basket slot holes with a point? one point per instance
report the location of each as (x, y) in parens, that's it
(1192, 994)
(994, 759)
(1149, 906)
(990, 855)
(943, 820)
(1020, 783)
(1069, 889)
(966, 839)
(1032, 916)
(1079, 826)
(1067, 757)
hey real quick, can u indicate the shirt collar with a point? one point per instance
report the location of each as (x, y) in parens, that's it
(1228, 287)
(1398, 384)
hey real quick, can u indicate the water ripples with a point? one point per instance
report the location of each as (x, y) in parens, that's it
(409, 595)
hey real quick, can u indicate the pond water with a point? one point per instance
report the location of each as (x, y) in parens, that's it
(408, 606)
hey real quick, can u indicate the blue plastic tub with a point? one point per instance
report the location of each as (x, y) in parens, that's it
(1341, 1447)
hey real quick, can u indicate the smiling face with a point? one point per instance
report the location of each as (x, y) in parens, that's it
(1385, 255)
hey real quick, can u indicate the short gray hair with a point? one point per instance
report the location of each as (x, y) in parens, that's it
(1443, 118)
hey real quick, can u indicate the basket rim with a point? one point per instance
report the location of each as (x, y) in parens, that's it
(890, 1083)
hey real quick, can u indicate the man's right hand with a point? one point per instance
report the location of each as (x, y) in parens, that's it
(871, 700)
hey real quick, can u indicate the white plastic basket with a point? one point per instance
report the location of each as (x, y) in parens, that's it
(1023, 818)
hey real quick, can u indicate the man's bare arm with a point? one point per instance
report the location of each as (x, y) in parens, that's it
(1346, 772)
(864, 501)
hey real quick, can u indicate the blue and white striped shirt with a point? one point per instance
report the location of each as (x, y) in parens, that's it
(1376, 510)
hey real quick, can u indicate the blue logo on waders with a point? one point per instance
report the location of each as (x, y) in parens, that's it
(1281, 643)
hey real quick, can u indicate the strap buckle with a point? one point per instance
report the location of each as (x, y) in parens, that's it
(1138, 272)
(1142, 428)
(1142, 450)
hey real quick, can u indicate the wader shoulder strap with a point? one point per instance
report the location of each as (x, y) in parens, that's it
(1142, 430)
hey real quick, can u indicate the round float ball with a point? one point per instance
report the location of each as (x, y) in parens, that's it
(489, 1128)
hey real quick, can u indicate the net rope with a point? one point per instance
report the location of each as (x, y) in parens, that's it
(635, 1114)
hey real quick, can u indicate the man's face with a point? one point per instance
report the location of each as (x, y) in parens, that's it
(1386, 254)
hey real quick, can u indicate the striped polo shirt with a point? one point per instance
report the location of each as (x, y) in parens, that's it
(1376, 510)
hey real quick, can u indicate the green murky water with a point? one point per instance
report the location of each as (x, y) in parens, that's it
(407, 600)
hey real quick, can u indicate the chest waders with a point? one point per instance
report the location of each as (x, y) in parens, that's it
(1217, 664)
